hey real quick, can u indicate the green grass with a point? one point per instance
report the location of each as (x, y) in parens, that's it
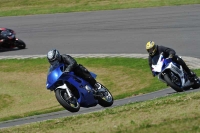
(176, 113)
(23, 82)
(23, 92)
(5, 100)
(30, 7)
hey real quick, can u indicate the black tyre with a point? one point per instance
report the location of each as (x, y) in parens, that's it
(196, 86)
(105, 99)
(197, 81)
(70, 104)
(20, 44)
(172, 84)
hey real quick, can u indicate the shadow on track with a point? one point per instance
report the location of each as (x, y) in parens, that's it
(10, 49)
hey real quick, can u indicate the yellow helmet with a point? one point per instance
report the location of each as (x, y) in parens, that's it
(151, 48)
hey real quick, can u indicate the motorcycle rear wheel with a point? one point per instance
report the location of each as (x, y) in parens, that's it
(70, 104)
(196, 82)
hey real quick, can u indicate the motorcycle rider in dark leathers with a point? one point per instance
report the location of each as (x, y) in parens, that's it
(55, 57)
(1, 38)
(154, 50)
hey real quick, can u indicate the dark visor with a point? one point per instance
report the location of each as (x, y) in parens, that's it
(150, 50)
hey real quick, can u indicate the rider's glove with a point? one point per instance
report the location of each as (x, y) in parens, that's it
(171, 56)
(66, 71)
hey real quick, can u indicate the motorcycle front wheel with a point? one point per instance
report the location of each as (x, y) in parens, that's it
(70, 104)
(20, 44)
(168, 80)
(105, 98)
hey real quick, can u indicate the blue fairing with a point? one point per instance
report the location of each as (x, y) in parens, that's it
(93, 74)
(55, 74)
(86, 97)
(166, 62)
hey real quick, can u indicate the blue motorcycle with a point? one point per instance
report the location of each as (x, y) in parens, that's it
(73, 92)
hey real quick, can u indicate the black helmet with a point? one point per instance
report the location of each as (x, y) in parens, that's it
(6, 34)
(53, 56)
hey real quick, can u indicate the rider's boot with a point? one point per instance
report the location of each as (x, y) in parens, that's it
(97, 86)
(190, 74)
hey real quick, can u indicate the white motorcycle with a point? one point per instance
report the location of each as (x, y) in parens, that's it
(173, 74)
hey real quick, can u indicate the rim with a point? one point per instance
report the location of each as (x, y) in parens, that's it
(106, 96)
(175, 79)
(70, 101)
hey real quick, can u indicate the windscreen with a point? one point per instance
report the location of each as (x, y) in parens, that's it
(54, 66)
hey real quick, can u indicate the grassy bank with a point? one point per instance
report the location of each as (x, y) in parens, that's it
(29, 7)
(23, 91)
(23, 83)
(179, 113)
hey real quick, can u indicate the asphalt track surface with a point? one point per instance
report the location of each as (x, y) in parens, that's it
(109, 32)
(106, 32)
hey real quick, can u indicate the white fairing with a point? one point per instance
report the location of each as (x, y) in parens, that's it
(179, 71)
(64, 86)
(158, 66)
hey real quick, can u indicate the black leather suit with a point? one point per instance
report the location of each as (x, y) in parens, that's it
(78, 69)
(166, 53)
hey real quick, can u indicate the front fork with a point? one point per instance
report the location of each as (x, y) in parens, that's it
(64, 87)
